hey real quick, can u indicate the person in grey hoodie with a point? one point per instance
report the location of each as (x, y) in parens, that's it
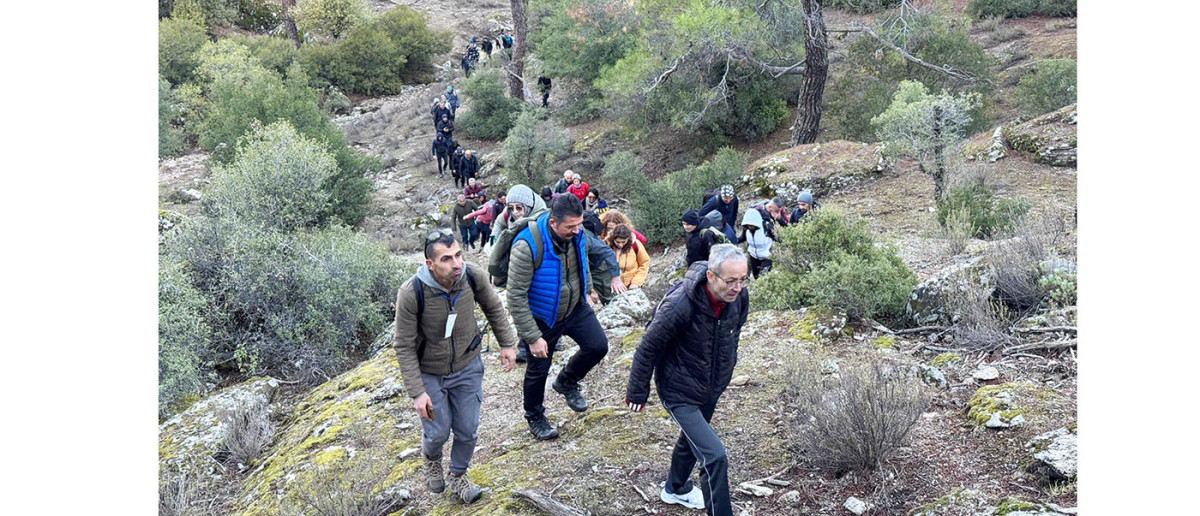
(437, 347)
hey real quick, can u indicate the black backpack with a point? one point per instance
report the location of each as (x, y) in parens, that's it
(709, 195)
(654, 312)
(502, 248)
(419, 291)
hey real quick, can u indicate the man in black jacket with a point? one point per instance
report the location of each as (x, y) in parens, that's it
(468, 166)
(690, 348)
(699, 242)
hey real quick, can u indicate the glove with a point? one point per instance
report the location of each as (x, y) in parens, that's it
(634, 407)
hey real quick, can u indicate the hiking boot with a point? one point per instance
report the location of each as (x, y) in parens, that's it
(464, 488)
(693, 499)
(522, 353)
(433, 475)
(571, 393)
(541, 429)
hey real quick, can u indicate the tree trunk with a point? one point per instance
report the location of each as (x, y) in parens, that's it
(164, 8)
(289, 23)
(939, 160)
(516, 87)
(816, 68)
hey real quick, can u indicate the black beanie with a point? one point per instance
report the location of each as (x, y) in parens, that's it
(691, 217)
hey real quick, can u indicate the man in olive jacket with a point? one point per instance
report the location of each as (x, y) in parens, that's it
(439, 357)
(548, 299)
(690, 347)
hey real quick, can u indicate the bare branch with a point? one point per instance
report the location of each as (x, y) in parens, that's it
(777, 71)
(946, 69)
(666, 73)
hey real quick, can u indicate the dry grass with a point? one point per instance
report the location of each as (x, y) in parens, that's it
(1015, 262)
(247, 431)
(348, 489)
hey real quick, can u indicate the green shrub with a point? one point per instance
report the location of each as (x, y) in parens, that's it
(658, 205)
(1020, 8)
(986, 216)
(862, 6)
(492, 112)
(295, 304)
(1051, 85)
(623, 173)
(756, 108)
(179, 42)
(831, 259)
(220, 12)
(532, 147)
(189, 10)
(259, 15)
(273, 53)
(335, 101)
(184, 341)
(170, 137)
(332, 18)
(379, 57)
(277, 180)
(1059, 287)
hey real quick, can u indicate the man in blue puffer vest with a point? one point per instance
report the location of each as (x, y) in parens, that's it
(547, 297)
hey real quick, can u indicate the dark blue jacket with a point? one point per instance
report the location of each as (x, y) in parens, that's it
(728, 211)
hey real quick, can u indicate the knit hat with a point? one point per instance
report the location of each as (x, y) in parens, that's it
(805, 197)
(691, 217)
(449, 88)
(522, 194)
(727, 191)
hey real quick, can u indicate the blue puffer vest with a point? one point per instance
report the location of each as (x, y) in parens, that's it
(546, 284)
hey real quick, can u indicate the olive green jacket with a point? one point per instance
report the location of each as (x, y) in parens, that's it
(444, 356)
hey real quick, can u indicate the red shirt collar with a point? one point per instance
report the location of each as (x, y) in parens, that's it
(715, 303)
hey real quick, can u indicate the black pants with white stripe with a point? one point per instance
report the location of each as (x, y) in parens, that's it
(698, 443)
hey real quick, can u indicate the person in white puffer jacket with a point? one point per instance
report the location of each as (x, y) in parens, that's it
(758, 244)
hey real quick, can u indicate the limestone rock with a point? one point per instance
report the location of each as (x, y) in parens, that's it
(855, 505)
(821, 168)
(933, 376)
(790, 497)
(1051, 138)
(958, 502)
(627, 309)
(819, 324)
(1013, 506)
(1056, 452)
(1006, 405)
(1050, 318)
(986, 373)
(755, 489)
(488, 163)
(928, 304)
(741, 380)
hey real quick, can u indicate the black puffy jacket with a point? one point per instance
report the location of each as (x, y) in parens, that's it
(690, 352)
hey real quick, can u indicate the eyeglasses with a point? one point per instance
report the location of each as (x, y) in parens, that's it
(433, 237)
(737, 282)
(516, 206)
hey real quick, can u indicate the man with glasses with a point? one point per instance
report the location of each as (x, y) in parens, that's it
(547, 296)
(437, 347)
(690, 347)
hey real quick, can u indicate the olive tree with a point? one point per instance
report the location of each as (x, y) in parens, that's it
(532, 146)
(924, 125)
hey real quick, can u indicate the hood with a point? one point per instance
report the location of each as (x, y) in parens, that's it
(426, 277)
(752, 218)
(692, 281)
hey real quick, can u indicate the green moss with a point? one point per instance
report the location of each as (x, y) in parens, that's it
(328, 455)
(1010, 400)
(955, 498)
(885, 342)
(945, 358)
(630, 342)
(1013, 504)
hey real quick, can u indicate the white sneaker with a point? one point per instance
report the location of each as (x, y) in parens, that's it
(693, 499)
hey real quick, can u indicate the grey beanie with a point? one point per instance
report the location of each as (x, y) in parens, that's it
(805, 197)
(522, 194)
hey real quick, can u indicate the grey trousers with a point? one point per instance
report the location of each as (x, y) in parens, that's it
(456, 398)
(698, 443)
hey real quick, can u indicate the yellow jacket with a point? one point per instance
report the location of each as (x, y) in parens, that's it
(635, 263)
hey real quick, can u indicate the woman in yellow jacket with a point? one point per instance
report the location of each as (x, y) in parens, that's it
(631, 254)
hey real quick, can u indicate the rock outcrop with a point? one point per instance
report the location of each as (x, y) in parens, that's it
(1055, 453)
(820, 168)
(931, 301)
(1051, 138)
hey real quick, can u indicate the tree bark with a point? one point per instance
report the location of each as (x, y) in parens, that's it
(816, 68)
(939, 160)
(289, 23)
(516, 87)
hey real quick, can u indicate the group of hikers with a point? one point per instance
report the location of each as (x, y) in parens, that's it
(470, 58)
(558, 254)
(462, 164)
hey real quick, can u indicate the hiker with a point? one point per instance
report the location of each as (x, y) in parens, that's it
(486, 45)
(520, 202)
(631, 255)
(548, 195)
(725, 202)
(456, 165)
(606, 270)
(698, 242)
(452, 100)
(441, 150)
(593, 202)
(445, 126)
(506, 40)
(612, 218)
(544, 87)
(439, 357)
(440, 112)
(473, 189)
(717, 222)
(690, 346)
(463, 206)
(468, 166)
(773, 217)
(561, 185)
(758, 243)
(548, 300)
(483, 219)
(804, 204)
(578, 188)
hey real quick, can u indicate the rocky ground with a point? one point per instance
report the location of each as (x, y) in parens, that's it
(952, 462)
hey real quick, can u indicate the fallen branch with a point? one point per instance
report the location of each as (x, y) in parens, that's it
(921, 329)
(639, 491)
(1056, 344)
(1052, 329)
(549, 505)
(772, 477)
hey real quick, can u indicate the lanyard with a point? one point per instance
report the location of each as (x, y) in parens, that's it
(452, 302)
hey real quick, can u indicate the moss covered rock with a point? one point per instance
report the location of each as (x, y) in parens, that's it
(1051, 138)
(1007, 404)
(931, 301)
(1013, 506)
(958, 502)
(820, 168)
(820, 324)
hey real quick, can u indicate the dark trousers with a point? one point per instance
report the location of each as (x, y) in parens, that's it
(581, 325)
(482, 232)
(468, 235)
(699, 443)
(443, 163)
(458, 178)
(759, 267)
